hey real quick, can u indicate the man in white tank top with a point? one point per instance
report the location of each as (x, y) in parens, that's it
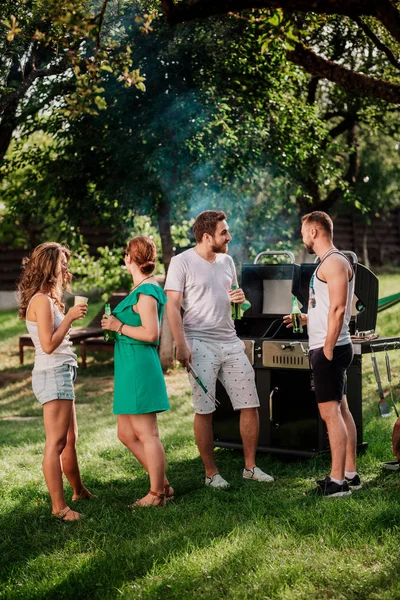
(331, 351)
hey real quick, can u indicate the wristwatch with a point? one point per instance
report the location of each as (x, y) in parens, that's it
(120, 329)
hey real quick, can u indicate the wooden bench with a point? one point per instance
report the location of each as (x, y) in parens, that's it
(77, 334)
(94, 343)
(165, 350)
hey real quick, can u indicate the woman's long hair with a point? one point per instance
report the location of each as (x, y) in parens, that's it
(42, 272)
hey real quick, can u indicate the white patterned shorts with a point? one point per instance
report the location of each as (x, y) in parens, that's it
(227, 362)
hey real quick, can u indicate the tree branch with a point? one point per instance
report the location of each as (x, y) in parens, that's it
(345, 125)
(384, 10)
(100, 18)
(201, 9)
(355, 82)
(28, 81)
(377, 42)
(312, 90)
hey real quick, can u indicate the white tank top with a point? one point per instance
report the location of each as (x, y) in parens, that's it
(318, 309)
(63, 355)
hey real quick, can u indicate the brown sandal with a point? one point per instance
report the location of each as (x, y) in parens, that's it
(63, 512)
(84, 494)
(156, 494)
(169, 497)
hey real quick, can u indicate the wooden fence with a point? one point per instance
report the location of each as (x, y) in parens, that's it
(375, 244)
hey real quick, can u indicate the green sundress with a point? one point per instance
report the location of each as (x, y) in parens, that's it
(139, 385)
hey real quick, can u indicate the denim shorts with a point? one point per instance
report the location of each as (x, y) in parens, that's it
(54, 384)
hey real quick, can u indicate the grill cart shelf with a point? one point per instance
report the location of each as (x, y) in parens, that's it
(289, 417)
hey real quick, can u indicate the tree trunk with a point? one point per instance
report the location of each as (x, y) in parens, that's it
(7, 127)
(365, 246)
(164, 226)
(166, 350)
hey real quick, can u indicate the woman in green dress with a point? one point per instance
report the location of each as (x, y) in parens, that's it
(139, 386)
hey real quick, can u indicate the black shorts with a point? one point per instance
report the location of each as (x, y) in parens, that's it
(330, 375)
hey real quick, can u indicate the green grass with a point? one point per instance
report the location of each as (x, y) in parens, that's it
(253, 541)
(389, 320)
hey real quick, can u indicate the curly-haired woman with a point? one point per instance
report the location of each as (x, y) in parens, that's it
(45, 276)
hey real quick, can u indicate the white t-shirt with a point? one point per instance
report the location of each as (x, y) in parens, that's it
(205, 287)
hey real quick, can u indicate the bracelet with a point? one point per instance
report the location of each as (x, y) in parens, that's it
(120, 329)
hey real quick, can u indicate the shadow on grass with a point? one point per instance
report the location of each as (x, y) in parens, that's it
(122, 547)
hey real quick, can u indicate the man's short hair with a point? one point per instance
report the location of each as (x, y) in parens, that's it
(322, 218)
(206, 222)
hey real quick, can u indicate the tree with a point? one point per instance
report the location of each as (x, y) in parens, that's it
(61, 40)
(380, 22)
(227, 121)
(130, 160)
(271, 114)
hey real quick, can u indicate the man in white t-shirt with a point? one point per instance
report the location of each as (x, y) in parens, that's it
(200, 281)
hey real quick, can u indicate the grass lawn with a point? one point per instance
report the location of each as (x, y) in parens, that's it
(251, 542)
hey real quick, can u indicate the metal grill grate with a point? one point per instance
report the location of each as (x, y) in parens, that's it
(296, 361)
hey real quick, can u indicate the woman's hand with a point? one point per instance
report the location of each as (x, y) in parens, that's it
(76, 312)
(288, 320)
(110, 322)
(237, 296)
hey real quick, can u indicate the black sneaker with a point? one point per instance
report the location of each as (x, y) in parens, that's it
(355, 482)
(330, 489)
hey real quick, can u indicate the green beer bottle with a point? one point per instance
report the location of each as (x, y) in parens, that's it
(245, 306)
(108, 335)
(235, 308)
(296, 316)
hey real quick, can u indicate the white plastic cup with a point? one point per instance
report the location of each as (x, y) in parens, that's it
(80, 300)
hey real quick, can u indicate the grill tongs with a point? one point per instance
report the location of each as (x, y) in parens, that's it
(382, 405)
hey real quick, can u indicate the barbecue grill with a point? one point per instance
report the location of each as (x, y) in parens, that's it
(289, 417)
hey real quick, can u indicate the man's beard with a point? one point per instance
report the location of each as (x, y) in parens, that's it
(309, 248)
(220, 249)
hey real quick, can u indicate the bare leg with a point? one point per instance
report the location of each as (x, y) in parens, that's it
(351, 449)
(127, 436)
(69, 459)
(203, 434)
(337, 433)
(146, 430)
(249, 430)
(57, 419)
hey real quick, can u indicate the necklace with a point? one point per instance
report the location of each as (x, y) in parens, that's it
(326, 253)
(140, 283)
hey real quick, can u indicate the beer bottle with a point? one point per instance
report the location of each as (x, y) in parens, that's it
(235, 308)
(108, 334)
(244, 306)
(296, 316)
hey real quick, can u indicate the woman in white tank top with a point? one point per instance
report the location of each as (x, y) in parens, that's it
(45, 276)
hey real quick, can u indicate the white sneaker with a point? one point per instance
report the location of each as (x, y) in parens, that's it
(257, 475)
(216, 481)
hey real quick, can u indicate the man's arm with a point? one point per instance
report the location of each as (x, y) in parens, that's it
(336, 275)
(174, 304)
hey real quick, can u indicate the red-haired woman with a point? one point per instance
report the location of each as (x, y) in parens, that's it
(139, 387)
(45, 276)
